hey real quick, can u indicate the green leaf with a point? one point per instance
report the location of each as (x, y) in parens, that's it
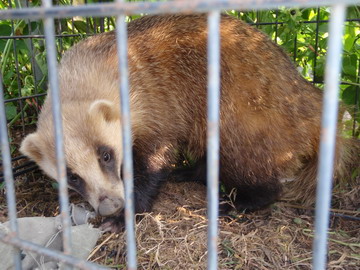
(31, 28)
(353, 12)
(350, 65)
(349, 95)
(305, 14)
(5, 30)
(2, 45)
(10, 111)
(320, 70)
(298, 221)
(55, 185)
(41, 61)
(323, 27)
(81, 26)
(350, 38)
(20, 45)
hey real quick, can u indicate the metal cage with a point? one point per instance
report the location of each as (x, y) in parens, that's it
(47, 12)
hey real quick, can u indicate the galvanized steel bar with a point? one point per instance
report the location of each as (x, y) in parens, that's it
(56, 111)
(328, 135)
(213, 135)
(24, 97)
(9, 179)
(114, 9)
(128, 175)
(59, 256)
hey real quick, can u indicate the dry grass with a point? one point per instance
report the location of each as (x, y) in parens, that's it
(174, 236)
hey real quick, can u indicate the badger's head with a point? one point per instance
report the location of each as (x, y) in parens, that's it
(93, 150)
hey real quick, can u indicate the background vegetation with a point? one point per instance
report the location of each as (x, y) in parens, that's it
(303, 33)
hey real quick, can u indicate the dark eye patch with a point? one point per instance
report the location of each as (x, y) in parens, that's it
(107, 159)
(75, 182)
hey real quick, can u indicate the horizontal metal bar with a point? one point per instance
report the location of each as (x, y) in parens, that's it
(81, 35)
(43, 36)
(344, 216)
(26, 164)
(15, 174)
(25, 97)
(15, 159)
(26, 245)
(127, 8)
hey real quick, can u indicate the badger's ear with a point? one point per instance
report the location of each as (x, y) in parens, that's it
(105, 109)
(30, 147)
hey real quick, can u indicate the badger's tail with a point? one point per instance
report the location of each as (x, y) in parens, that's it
(346, 167)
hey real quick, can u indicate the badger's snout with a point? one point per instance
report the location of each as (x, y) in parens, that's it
(110, 206)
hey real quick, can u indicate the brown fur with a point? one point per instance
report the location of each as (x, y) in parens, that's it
(347, 161)
(270, 115)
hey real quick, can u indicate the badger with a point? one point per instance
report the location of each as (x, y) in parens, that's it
(269, 115)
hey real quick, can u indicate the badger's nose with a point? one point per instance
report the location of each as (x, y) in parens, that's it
(110, 206)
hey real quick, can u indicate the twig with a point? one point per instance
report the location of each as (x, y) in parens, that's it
(307, 232)
(98, 258)
(350, 83)
(99, 246)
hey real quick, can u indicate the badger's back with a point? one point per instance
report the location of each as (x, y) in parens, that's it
(269, 113)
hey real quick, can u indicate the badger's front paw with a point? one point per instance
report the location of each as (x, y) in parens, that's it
(113, 224)
(225, 204)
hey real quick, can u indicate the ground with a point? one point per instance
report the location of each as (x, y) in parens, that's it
(174, 236)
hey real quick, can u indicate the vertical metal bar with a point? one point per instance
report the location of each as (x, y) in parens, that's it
(9, 179)
(316, 44)
(128, 177)
(87, 21)
(213, 136)
(34, 68)
(295, 48)
(16, 60)
(328, 135)
(257, 19)
(356, 107)
(276, 25)
(56, 111)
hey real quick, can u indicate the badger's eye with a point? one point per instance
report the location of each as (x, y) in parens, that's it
(73, 179)
(106, 157)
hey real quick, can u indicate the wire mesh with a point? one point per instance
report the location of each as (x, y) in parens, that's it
(112, 9)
